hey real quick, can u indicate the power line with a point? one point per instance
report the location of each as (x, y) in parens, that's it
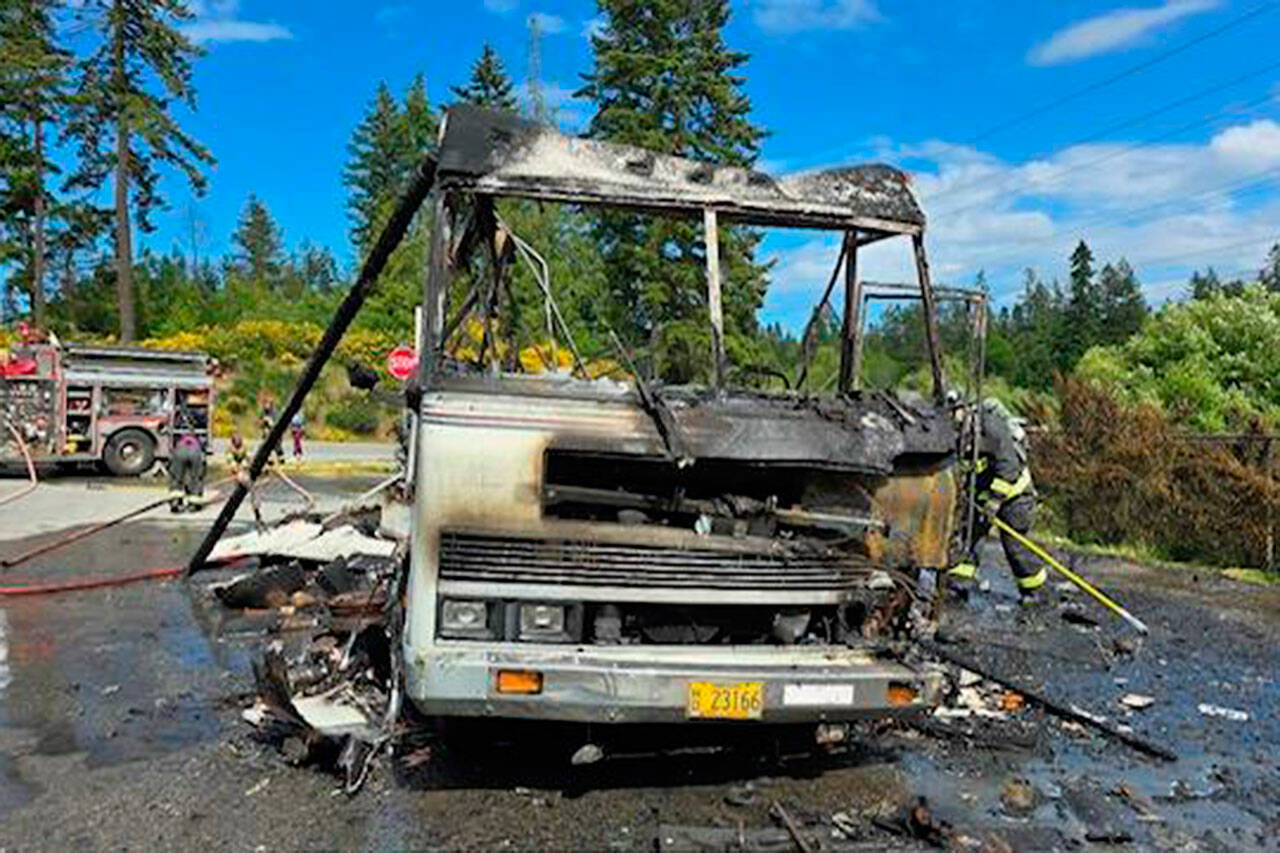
(1255, 241)
(1239, 275)
(1248, 184)
(1101, 84)
(1233, 188)
(1130, 148)
(1130, 122)
(1128, 72)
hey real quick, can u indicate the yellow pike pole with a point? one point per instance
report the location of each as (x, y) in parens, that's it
(1067, 573)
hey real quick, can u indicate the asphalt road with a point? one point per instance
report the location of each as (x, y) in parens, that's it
(62, 500)
(325, 451)
(119, 728)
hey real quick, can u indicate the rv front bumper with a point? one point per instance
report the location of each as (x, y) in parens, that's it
(632, 684)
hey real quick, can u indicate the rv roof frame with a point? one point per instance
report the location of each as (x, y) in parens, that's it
(488, 155)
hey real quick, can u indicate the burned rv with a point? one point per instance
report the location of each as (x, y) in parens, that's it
(609, 551)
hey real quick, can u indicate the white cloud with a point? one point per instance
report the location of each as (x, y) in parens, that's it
(213, 31)
(548, 25)
(501, 7)
(791, 16)
(1256, 143)
(218, 21)
(1168, 209)
(593, 27)
(1114, 30)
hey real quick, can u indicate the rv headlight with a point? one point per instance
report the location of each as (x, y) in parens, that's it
(541, 621)
(464, 618)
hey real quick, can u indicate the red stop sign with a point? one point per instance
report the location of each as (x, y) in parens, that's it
(402, 362)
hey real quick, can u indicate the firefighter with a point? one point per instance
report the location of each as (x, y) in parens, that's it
(186, 465)
(267, 420)
(1004, 488)
(238, 457)
(238, 466)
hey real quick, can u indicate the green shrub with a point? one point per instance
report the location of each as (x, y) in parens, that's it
(354, 415)
(1209, 364)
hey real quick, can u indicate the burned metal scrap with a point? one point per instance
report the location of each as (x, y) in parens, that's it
(324, 686)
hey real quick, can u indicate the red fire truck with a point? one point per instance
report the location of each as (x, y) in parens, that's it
(113, 405)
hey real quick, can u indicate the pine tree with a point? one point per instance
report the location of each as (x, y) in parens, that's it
(489, 85)
(259, 243)
(33, 92)
(1035, 331)
(139, 43)
(1269, 275)
(375, 167)
(1206, 285)
(663, 79)
(1121, 305)
(317, 268)
(1082, 328)
(420, 123)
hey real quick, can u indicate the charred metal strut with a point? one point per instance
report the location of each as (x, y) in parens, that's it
(423, 178)
(658, 410)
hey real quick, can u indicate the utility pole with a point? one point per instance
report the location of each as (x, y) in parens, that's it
(195, 234)
(533, 79)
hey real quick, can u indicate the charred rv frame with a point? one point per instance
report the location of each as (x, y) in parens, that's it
(595, 550)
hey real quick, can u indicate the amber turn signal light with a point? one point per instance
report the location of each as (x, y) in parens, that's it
(901, 694)
(519, 681)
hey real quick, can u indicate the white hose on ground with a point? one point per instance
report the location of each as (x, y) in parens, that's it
(31, 467)
(360, 499)
(306, 496)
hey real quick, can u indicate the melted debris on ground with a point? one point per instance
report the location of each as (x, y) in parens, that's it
(320, 587)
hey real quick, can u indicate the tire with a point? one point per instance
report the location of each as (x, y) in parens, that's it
(129, 453)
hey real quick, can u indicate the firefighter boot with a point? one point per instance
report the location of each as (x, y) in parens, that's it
(961, 579)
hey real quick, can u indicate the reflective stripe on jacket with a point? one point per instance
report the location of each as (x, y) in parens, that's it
(1006, 490)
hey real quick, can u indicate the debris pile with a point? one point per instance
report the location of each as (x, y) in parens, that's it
(325, 683)
(328, 706)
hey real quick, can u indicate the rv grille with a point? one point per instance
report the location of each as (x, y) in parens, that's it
(511, 559)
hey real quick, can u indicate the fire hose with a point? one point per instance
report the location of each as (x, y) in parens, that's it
(288, 481)
(90, 582)
(98, 581)
(77, 535)
(85, 533)
(31, 468)
(110, 580)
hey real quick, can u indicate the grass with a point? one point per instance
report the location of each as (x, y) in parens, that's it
(1149, 557)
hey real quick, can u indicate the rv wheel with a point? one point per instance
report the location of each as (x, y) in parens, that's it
(129, 453)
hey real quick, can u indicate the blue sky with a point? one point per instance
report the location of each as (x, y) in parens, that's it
(1147, 167)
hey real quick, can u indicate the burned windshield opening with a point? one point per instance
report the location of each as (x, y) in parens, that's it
(536, 288)
(587, 259)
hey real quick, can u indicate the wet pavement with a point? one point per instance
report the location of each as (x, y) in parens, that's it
(119, 727)
(1212, 643)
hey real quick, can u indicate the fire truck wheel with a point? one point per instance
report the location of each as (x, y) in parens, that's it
(129, 453)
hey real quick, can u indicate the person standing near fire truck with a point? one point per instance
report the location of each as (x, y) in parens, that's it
(186, 465)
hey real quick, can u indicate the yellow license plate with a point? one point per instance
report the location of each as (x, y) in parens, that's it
(711, 701)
